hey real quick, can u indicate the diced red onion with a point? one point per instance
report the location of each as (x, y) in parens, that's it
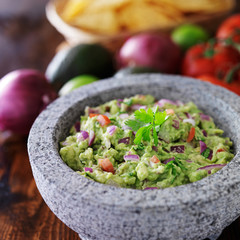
(131, 158)
(149, 188)
(162, 102)
(111, 129)
(168, 160)
(189, 161)
(189, 120)
(87, 169)
(203, 146)
(204, 133)
(177, 148)
(175, 124)
(205, 117)
(123, 115)
(210, 167)
(210, 154)
(138, 106)
(125, 140)
(77, 126)
(154, 148)
(119, 101)
(83, 135)
(65, 143)
(92, 110)
(188, 115)
(91, 137)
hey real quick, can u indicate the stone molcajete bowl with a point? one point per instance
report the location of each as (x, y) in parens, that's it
(97, 211)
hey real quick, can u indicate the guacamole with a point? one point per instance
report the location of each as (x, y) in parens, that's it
(141, 143)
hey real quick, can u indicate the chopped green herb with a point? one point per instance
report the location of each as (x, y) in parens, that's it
(129, 102)
(206, 152)
(145, 123)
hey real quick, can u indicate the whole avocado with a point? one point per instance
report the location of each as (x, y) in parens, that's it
(68, 63)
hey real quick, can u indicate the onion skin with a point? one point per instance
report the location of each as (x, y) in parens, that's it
(150, 50)
(23, 95)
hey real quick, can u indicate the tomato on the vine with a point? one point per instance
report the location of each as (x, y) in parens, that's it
(215, 59)
(230, 28)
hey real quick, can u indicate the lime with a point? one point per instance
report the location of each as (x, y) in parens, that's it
(76, 83)
(188, 35)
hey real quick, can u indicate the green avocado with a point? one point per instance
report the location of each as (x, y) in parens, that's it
(92, 59)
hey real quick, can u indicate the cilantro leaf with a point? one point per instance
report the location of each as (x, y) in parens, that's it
(206, 152)
(134, 124)
(155, 137)
(146, 133)
(142, 115)
(160, 117)
(139, 135)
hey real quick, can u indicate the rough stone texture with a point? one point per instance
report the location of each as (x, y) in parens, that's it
(97, 211)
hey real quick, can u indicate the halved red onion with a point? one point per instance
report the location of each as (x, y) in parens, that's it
(91, 137)
(125, 140)
(83, 135)
(77, 126)
(131, 158)
(203, 146)
(88, 169)
(111, 129)
(168, 160)
(177, 148)
(204, 133)
(138, 106)
(175, 124)
(123, 115)
(149, 188)
(189, 120)
(205, 117)
(162, 102)
(210, 167)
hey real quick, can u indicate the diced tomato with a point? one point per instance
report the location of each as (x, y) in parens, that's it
(169, 111)
(191, 134)
(103, 120)
(220, 150)
(91, 115)
(154, 159)
(106, 165)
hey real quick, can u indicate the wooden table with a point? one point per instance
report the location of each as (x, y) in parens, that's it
(31, 42)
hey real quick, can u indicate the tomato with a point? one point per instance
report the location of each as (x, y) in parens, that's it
(215, 59)
(233, 86)
(230, 28)
(154, 159)
(188, 35)
(191, 134)
(106, 165)
(102, 119)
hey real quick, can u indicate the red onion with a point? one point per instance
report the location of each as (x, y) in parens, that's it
(83, 135)
(138, 106)
(93, 110)
(91, 137)
(189, 161)
(87, 169)
(149, 188)
(204, 133)
(77, 126)
(125, 140)
(203, 146)
(131, 158)
(23, 95)
(177, 148)
(111, 129)
(205, 117)
(162, 102)
(154, 148)
(175, 124)
(150, 50)
(210, 167)
(210, 154)
(168, 160)
(123, 115)
(188, 115)
(189, 120)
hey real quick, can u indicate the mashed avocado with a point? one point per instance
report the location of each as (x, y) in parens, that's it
(141, 143)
